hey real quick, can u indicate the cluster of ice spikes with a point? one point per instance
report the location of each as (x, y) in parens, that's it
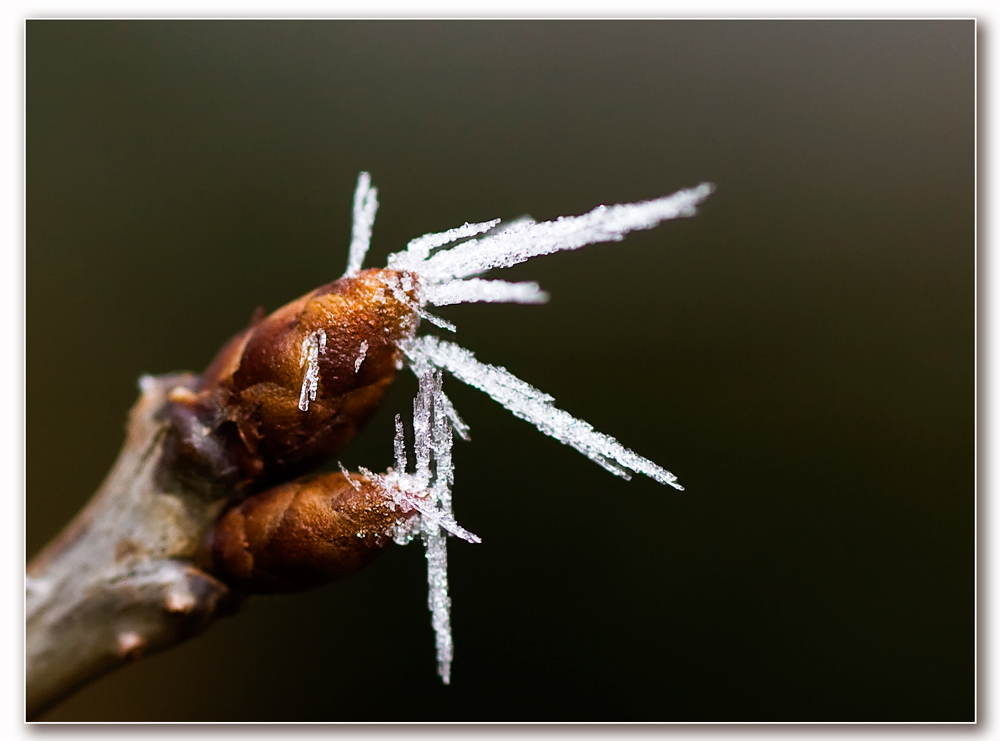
(428, 491)
(448, 276)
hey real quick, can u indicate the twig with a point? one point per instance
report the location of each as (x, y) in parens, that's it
(122, 579)
(149, 562)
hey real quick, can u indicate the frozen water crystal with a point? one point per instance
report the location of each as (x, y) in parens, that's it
(361, 355)
(312, 346)
(526, 239)
(444, 275)
(418, 249)
(536, 407)
(365, 206)
(427, 490)
(486, 291)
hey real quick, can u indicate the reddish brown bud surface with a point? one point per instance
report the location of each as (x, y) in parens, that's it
(293, 388)
(302, 534)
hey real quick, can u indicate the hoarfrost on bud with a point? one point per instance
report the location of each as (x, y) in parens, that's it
(361, 355)
(534, 406)
(427, 489)
(485, 291)
(438, 600)
(460, 428)
(399, 446)
(312, 346)
(525, 239)
(446, 278)
(365, 206)
(347, 475)
(436, 320)
(418, 249)
(439, 275)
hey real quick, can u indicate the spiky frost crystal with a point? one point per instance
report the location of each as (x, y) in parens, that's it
(525, 238)
(427, 489)
(534, 406)
(312, 347)
(365, 206)
(448, 277)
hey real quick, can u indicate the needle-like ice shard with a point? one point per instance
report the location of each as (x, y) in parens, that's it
(312, 347)
(526, 239)
(365, 206)
(477, 290)
(442, 276)
(427, 489)
(536, 407)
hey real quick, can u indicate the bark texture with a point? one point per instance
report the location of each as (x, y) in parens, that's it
(123, 579)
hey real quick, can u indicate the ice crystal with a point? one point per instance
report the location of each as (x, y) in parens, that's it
(488, 291)
(362, 351)
(419, 248)
(312, 346)
(427, 490)
(447, 275)
(534, 406)
(365, 206)
(525, 239)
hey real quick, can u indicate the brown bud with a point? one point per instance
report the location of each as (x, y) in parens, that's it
(302, 534)
(293, 388)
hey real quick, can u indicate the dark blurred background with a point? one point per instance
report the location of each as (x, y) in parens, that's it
(800, 354)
